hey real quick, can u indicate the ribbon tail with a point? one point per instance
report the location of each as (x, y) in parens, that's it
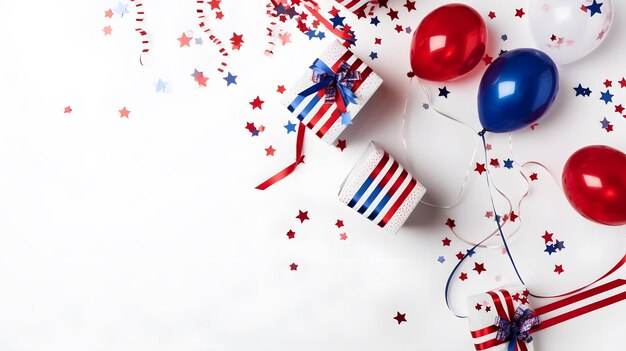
(292, 167)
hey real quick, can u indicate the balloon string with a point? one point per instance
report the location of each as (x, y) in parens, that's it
(467, 174)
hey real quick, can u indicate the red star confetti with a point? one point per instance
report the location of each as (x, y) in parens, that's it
(607, 83)
(339, 223)
(622, 82)
(480, 168)
(303, 216)
(513, 216)
(450, 223)
(270, 151)
(558, 268)
(257, 103)
(478, 307)
(291, 234)
(284, 37)
(619, 108)
(219, 15)
(393, 14)
(519, 12)
(460, 255)
(341, 144)
(400, 317)
(236, 40)
(108, 13)
(215, 4)
(398, 28)
(124, 112)
(463, 276)
(67, 109)
(479, 267)
(378, 41)
(488, 214)
(281, 89)
(534, 177)
(410, 5)
(491, 15)
(494, 162)
(184, 40)
(107, 30)
(201, 79)
(343, 236)
(547, 237)
(293, 267)
(488, 59)
(334, 11)
(446, 241)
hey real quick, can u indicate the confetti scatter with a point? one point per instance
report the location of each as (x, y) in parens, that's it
(303, 216)
(400, 317)
(67, 109)
(124, 112)
(293, 267)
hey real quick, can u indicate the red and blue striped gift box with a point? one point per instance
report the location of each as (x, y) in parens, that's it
(322, 118)
(379, 188)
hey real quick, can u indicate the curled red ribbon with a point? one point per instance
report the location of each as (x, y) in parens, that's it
(292, 167)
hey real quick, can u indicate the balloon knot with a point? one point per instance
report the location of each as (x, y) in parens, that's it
(410, 74)
(482, 133)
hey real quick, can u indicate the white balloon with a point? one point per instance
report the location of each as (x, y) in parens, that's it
(569, 30)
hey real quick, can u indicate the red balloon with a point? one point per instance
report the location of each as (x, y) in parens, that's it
(594, 181)
(448, 43)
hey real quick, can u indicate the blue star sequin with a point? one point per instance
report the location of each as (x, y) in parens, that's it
(373, 55)
(160, 86)
(606, 97)
(595, 8)
(375, 21)
(195, 73)
(444, 92)
(580, 90)
(560, 245)
(121, 9)
(504, 37)
(502, 52)
(441, 259)
(280, 9)
(605, 123)
(470, 252)
(310, 33)
(425, 106)
(255, 132)
(321, 35)
(508, 163)
(550, 249)
(198, 41)
(337, 21)
(291, 127)
(230, 79)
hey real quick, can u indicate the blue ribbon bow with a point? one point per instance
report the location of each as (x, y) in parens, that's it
(518, 329)
(343, 81)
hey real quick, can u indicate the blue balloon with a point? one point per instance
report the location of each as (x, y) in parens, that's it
(516, 90)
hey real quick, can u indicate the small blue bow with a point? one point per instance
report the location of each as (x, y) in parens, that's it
(343, 81)
(518, 329)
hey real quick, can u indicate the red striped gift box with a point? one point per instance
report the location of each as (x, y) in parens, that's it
(379, 188)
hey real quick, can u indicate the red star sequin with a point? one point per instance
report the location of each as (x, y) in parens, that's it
(410, 5)
(463, 276)
(291, 234)
(303, 216)
(341, 144)
(478, 307)
(67, 109)
(480, 168)
(215, 4)
(491, 15)
(487, 59)
(343, 236)
(400, 317)
(513, 216)
(450, 223)
(519, 12)
(334, 12)
(107, 30)
(479, 267)
(281, 89)
(184, 40)
(393, 14)
(293, 267)
(622, 82)
(619, 108)
(558, 268)
(257, 103)
(607, 83)
(236, 40)
(201, 79)
(270, 151)
(108, 13)
(494, 162)
(378, 41)
(124, 112)
(339, 223)
(460, 255)
(398, 28)
(534, 177)
(489, 214)
(446, 241)
(547, 237)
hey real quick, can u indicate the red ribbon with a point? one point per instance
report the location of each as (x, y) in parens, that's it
(292, 167)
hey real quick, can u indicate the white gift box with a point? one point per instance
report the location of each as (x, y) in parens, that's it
(485, 307)
(379, 188)
(356, 6)
(323, 118)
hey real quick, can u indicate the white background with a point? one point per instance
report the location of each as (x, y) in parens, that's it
(146, 233)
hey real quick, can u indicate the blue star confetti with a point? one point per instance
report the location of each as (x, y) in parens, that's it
(594, 8)
(606, 96)
(291, 127)
(444, 92)
(230, 79)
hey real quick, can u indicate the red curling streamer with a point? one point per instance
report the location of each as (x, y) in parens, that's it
(145, 44)
(292, 167)
(271, 29)
(209, 32)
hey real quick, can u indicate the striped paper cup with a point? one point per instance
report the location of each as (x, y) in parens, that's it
(379, 188)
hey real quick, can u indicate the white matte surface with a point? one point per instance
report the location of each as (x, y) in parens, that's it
(147, 234)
